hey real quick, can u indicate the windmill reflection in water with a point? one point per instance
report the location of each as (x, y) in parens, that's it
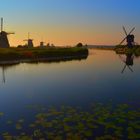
(3, 69)
(129, 62)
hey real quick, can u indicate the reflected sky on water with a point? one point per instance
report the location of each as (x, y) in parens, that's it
(99, 78)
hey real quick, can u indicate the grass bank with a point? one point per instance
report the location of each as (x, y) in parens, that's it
(12, 54)
(125, 50)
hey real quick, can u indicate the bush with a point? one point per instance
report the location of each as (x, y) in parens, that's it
(79, 45)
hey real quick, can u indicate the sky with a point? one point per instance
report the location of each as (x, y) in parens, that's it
(67, 22)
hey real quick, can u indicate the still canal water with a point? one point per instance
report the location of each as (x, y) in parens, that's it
(98, 78)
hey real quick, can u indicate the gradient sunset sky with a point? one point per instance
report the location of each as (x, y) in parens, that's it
(67, 22)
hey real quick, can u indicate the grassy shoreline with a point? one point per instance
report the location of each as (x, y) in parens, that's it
(121, 49)
(41, 54)
(125, 50)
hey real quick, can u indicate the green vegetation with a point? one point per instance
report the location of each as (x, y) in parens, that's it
(100, 122)
(40, 53)
(125, 50)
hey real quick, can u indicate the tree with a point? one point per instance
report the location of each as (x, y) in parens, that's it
(79, 45)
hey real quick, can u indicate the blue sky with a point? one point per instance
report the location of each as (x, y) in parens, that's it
(69, 21)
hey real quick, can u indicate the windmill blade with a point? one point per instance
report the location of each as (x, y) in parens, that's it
(122, 41)
(124, 68)
(125, 31)
(121, 58)
(130, 68)
(126, 34)
(28, 35)
(1, 24)
(131, 31)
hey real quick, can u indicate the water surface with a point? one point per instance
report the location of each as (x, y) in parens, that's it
(98, 79)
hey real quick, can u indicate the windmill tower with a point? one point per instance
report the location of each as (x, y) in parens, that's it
(42, 44)
(29, 42)
(4, 42)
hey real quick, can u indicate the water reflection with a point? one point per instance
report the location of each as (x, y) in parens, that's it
(128, 62)
(4, 66)
(4, 70)
(3, 75)
(33, 91)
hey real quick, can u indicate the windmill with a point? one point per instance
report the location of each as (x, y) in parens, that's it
(42, 44)
(128, 62)
(29, 42)
(4, 43)
(129, 38)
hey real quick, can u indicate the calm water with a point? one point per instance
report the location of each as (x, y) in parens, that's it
(72, 83)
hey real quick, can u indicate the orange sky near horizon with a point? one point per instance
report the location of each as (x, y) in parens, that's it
(68, 37)
(66, 23)
(62, 36)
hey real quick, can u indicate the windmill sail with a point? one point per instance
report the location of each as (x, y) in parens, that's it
(1, 24)
(128, 38)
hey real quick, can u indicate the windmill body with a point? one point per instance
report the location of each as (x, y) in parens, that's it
(42, 45)
(130, 41)
(29, 42)
(4, 42)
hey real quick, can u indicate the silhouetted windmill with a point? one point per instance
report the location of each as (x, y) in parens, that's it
(4, 43)
(42, 44)
(29, 42)
(129, 38)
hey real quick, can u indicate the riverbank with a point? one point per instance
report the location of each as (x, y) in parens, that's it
(18, 55)
(125, 50)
